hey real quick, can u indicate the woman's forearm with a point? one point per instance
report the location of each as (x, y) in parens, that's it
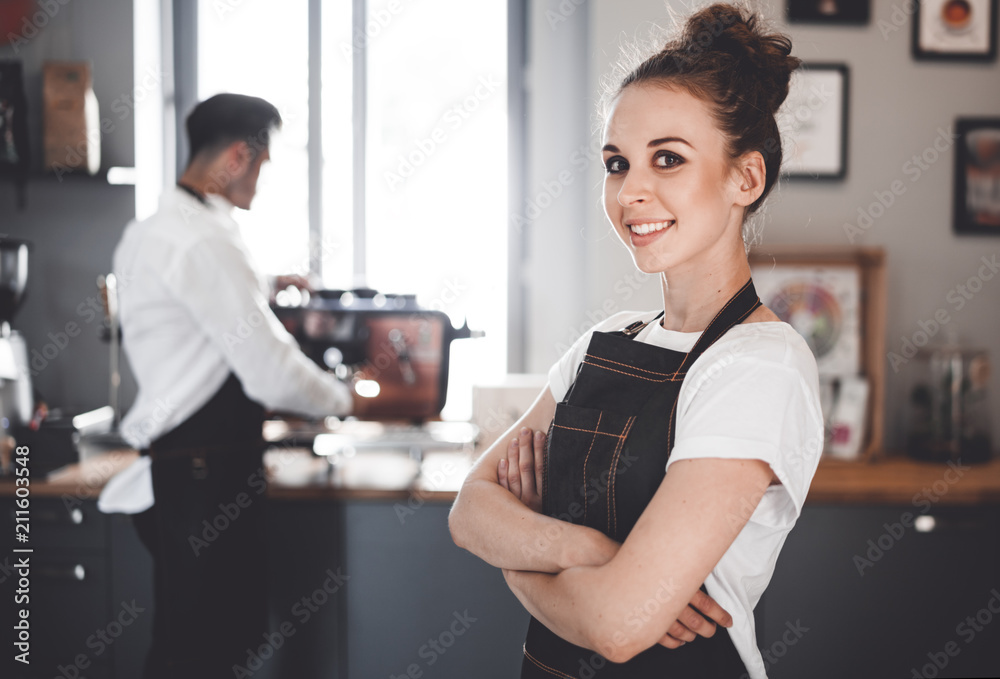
(495, 526)
(582, 606)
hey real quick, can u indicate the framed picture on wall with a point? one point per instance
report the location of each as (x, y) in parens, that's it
(813, 123)
(977, 176)
(955, 30)
(829, 11)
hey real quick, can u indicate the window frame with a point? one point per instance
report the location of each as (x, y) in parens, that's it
(185, 89)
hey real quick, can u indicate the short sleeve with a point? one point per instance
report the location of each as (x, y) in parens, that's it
(753, 408)
(563, 372)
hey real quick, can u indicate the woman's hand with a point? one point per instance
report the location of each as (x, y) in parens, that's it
(521, 471)
(698, 619)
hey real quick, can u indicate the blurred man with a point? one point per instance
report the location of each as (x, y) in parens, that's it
(209, 356)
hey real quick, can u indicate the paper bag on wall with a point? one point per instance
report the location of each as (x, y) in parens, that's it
(72, 135)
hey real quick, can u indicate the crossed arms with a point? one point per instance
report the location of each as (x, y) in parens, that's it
(615, 599)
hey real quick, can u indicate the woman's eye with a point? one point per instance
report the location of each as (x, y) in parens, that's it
(615, 165)
(667, 159)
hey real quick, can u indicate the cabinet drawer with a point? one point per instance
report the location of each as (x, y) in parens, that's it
(55, 524)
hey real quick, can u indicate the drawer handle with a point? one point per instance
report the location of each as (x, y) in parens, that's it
(75, 516)
(74, 573)
(929, 523)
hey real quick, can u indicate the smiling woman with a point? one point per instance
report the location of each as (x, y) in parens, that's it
(681, 444)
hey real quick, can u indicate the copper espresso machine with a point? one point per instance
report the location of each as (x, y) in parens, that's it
(395, 354)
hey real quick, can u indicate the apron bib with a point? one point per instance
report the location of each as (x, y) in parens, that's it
(607, 453)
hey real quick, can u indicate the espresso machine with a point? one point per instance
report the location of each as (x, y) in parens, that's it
(16, 396)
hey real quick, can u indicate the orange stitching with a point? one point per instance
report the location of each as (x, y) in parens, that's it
(670, 429)
(588, 431)
(670, 378)
(585, 503)
(608, 360)
(614, 465)
(545, 667)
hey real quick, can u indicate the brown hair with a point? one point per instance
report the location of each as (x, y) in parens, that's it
(724, 57)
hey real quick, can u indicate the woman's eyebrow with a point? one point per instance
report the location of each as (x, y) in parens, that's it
(611, 148)
(664, 140)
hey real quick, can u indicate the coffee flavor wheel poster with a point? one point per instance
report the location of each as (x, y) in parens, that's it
(823, 305)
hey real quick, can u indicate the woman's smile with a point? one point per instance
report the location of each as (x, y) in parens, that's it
(642, 233)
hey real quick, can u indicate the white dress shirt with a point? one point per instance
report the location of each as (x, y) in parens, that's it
(193, 309)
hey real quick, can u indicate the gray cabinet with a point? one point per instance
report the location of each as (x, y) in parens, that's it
(858, 592)
(362, 589)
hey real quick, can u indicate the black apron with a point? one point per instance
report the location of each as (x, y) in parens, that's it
(206, 535)
(607, 453)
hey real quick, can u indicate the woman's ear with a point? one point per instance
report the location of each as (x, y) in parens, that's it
(751, 176)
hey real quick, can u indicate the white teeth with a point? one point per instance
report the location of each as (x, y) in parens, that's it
(643, 229)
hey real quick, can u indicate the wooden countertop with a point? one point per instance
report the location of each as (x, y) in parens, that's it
(297, 475)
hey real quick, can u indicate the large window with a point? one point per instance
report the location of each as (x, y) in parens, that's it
(429, 109)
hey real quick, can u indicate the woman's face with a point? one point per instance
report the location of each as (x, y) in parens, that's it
(670, 189)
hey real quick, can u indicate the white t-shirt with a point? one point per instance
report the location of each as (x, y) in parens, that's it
(753, 394)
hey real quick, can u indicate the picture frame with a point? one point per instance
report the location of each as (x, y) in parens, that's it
(857, 12)
(872, 305)
(977, 174)
(814, 122)
(955, 30)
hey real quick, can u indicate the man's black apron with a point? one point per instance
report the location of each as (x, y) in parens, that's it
(607, 454)
(206, 535)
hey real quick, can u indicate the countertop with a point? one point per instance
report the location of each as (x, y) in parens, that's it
(295, 474)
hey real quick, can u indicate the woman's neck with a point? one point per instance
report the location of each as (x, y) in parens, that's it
(694, 292)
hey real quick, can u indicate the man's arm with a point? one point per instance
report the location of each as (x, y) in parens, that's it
(221, 290)
(623, 607)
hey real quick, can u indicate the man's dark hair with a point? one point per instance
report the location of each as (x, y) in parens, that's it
(223, 119)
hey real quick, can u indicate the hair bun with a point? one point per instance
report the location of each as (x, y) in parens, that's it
(764, 57)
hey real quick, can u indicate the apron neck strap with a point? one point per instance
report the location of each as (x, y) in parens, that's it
(733, 312)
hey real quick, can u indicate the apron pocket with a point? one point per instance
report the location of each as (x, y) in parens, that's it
(581, 464)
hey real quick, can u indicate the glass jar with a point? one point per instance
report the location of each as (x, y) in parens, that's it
(949, 406)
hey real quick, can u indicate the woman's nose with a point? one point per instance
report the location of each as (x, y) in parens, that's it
(634, 189)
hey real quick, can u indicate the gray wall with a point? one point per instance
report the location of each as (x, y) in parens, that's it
(75, 223)
(897, 106)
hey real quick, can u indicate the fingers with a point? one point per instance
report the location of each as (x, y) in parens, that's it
(514, 467)
(526, 462)
(710, 609)
(539, 461)
(680, 632)
(671, 642)
(695, 622)
(502, 473)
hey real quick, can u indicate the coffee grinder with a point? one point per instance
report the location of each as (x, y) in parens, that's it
(16, 396)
